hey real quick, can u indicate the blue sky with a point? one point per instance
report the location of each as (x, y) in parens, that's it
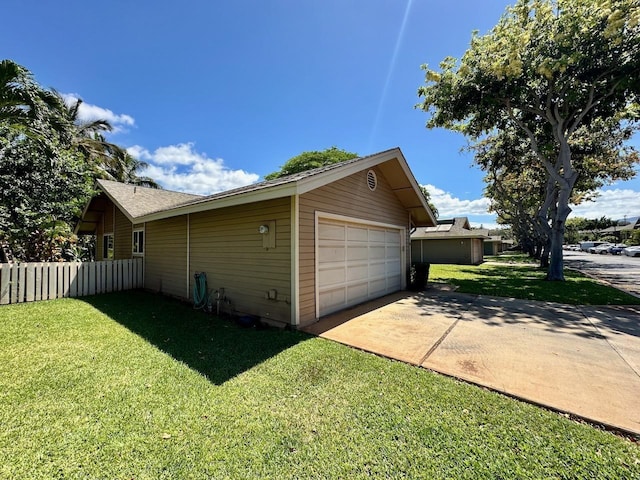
(216, 94)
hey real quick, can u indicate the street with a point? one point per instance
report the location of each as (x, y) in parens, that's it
(619, 270)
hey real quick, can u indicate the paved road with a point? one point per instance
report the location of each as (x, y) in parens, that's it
(619, 270)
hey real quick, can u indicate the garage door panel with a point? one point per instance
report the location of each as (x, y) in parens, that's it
(332, 300)
(376, 236)
(378, 287)
(356, 263)
(393, 254)
(394, 282)
(331, 232)
(331, 254)
(392, 237)
(357, 273)
(377, 270)
(357, 293)
(357, 234)
(332, 275)
(357, 252)
(393, 268)
(377, 253)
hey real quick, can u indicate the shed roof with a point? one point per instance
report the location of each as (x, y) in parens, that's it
(450, 228)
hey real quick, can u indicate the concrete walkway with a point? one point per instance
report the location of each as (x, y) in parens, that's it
(575, 359)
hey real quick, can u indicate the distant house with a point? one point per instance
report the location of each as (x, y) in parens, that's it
(622, 231)
(493, 244)
(451, 241)
(289, 250)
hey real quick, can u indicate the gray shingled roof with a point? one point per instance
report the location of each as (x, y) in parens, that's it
(454, 228)
(138, 201)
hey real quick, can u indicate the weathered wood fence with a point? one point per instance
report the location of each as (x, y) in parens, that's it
(31, 282)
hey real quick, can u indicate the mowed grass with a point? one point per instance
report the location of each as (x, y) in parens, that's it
(526, 281)
(133, 385)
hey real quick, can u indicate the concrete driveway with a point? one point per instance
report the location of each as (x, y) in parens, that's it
(580, 360)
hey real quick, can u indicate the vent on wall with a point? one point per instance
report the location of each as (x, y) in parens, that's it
(372, 180)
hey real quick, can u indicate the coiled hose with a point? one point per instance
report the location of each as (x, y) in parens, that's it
(200, 296)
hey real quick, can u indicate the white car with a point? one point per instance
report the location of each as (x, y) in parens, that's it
(602, 248)
(632, 251)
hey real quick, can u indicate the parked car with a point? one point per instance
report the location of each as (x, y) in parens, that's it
(601, 249)
(632, 251)
(585, 246)
(617, 248)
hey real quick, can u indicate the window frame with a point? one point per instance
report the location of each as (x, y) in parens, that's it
(139, 251)
(108, 253)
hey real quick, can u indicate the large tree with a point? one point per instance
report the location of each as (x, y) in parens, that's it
(549, 67)
(49, 160)
(517, 184)
(311, 159)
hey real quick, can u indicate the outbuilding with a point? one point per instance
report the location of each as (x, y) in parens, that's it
(450, 241)
(289, 250)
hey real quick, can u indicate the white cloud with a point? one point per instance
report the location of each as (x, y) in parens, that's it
(181, 168)
(88, 113)
(613, 203)
(450, 206)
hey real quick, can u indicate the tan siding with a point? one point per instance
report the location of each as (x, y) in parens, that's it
(108, 217)
(350, 197)
(122, 239)
(165, 256)
(227, 246)
(462, 251)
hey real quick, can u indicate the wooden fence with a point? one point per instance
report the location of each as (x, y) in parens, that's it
(31, 282)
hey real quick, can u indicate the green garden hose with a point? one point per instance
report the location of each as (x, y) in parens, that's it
(200, 290)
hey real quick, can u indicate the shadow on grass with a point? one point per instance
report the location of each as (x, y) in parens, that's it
(217, 348)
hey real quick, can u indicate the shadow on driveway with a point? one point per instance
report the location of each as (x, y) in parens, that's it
(216, 348)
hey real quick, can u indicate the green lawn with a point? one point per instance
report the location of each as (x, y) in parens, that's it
(133, 385)
(526, 281)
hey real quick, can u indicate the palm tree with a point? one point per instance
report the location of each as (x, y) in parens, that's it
(25, 107)
(106, 159)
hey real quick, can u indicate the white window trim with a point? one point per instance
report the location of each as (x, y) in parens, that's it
(113, 248)
(133, 242)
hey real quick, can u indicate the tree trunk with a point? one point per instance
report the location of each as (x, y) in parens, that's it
(544, 256)
(556, 264)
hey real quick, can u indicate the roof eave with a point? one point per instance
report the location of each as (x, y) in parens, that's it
(268, 193)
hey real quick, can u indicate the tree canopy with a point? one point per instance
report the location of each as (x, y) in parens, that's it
(311, 159)
(49, 160)
(550, 69)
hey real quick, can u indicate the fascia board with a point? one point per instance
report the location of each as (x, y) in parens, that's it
(262, 195)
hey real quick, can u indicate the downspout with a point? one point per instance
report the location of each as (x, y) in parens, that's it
(188, 252)
(113, 229)
(295, 260)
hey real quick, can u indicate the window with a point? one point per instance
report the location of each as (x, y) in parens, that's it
(138, 242)
(107, 246)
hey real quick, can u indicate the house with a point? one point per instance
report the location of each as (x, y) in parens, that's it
(289, 250)
(493, 244)
(450, 241)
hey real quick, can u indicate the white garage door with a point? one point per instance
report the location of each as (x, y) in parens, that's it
(356, 262)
